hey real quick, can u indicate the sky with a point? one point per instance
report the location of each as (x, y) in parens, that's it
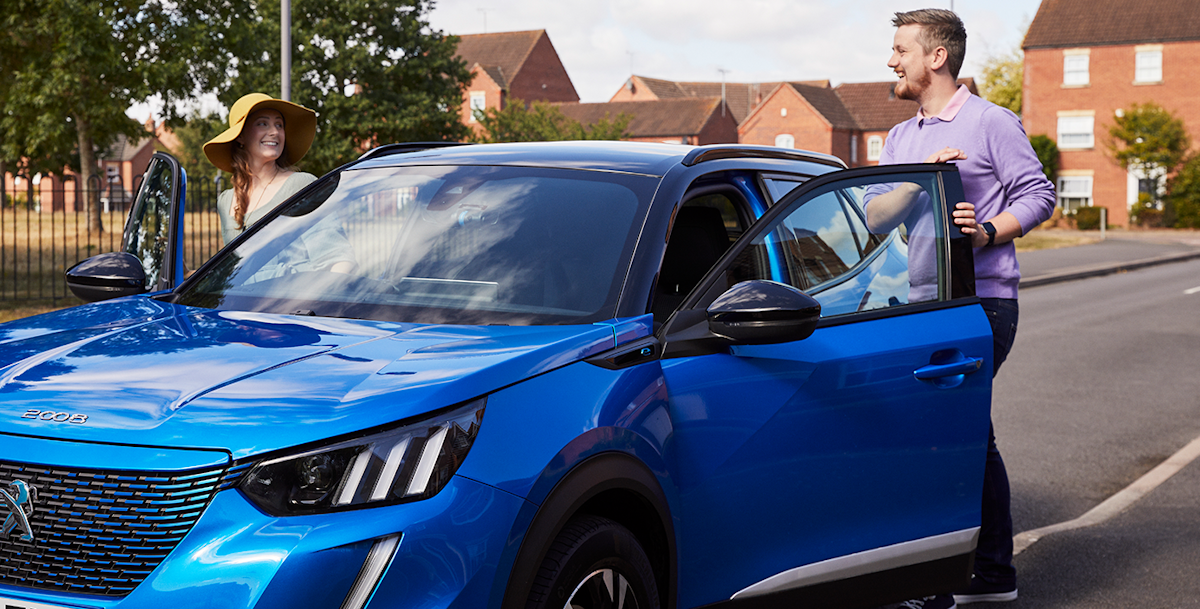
(601, 42)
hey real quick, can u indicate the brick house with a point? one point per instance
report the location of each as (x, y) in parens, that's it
(512, 65)
(692, 120)
(797, 115)
(849, 121)
(741, 97)
(1086, 60)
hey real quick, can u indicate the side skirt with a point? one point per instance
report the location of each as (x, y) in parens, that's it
(941, 576)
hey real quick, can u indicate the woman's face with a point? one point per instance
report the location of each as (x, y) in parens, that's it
(263, 135)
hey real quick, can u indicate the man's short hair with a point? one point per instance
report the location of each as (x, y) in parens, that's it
(939, 28)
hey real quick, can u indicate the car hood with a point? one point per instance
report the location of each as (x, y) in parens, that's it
(140, 372)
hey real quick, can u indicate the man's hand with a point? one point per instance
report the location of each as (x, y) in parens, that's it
(964, 217)
(947, 154)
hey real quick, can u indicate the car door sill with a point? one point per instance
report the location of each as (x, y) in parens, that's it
(863, 563)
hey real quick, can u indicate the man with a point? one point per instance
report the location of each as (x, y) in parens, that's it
(1003, 179)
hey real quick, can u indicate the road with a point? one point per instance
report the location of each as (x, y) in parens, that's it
(1102, 385)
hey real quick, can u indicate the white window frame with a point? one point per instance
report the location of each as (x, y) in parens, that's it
(1075, 187)
(478, 102)
(1076, 68)
(874, 148)
(1076, 131)
(785, 140)
(1148, 64)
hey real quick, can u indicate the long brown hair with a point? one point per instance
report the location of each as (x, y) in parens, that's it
(242, 178)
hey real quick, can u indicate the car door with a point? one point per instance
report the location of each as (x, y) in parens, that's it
(154, 230)
(855, 452)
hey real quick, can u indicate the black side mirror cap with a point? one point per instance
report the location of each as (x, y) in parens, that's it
(759, 312)
(106, 276)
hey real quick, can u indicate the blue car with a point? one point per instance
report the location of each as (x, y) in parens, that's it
(582, 375)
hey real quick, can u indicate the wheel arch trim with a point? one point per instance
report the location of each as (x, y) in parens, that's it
(592, 477)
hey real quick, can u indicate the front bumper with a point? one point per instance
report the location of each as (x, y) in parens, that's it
(236, 556)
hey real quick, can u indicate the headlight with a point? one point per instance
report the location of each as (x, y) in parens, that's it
(408, 463)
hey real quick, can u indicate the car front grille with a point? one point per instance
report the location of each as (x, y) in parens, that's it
(102, 531)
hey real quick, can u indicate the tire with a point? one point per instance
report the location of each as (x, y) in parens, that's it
(594, 563)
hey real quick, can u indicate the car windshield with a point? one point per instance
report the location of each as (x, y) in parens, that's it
(461, 245)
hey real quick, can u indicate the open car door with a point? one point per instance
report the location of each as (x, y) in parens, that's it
(830, 389)
(151, 255)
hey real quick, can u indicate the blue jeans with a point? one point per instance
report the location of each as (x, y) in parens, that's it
(993, 555)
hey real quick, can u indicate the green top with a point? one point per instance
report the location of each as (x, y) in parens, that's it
(229, 230)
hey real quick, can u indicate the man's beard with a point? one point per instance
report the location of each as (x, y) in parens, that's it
(907, 90)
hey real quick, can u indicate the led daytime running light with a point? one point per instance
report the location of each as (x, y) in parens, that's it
(408, 463)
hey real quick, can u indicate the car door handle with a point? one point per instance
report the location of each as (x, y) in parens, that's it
(966, 365)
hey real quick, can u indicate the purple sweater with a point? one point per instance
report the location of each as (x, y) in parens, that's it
(1001, 173)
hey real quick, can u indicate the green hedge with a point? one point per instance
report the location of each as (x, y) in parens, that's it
(1087, 218)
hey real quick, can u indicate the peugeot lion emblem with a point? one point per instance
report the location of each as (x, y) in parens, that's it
(17, 499)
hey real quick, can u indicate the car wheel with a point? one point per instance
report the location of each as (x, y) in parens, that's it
(594, 563)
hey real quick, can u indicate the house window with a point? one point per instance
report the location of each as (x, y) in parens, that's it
(784, 140)
(1149, 65)
(478, 103)
(1076, 131)
(853, 149)
(1075, 69)
(874, 147)
(1074, 192)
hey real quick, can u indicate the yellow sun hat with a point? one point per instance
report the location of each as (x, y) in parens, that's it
(299, 128)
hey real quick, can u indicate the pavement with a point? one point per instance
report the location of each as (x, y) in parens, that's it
(1120, 251)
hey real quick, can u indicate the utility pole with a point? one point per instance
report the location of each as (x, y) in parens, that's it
(723, 73)
(285, 55)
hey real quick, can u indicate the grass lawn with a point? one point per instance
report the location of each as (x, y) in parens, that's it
(1053, 239)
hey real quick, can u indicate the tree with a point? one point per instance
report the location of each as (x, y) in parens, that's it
(1151, 141)
(543, 122)
(1183, 194)
(1002, 78)
(192, 135)
(1047, 153)
(373, 70)
(69, 70)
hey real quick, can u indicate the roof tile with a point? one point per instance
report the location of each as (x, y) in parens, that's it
(1077, 23)
(506, 51)
(663, 117)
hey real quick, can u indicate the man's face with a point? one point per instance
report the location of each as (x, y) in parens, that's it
(910, 63)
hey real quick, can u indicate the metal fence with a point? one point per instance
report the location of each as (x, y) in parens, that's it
(45, 230)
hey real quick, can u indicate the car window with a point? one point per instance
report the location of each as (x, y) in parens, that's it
(704, 228)
(778, 186)
(475, 245)
(824, 247)
(148, 228)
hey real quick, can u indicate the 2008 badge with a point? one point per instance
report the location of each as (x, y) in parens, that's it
(56, 417)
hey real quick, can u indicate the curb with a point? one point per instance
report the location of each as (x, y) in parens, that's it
(1107, 269)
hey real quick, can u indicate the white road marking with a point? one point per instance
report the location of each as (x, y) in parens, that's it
(1192, 291)
(1119, 502)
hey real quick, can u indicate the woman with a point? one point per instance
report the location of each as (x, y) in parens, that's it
(265, 139)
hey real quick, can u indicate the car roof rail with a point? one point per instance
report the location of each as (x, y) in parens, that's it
(401, 148)
(701, 154)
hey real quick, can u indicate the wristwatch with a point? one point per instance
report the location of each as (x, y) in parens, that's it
(990, 230)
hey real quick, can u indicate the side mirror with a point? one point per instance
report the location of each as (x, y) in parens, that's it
(107, 276)
(761, 312)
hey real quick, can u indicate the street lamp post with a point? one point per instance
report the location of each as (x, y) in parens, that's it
(285, 55)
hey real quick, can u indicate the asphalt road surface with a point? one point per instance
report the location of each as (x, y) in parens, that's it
(1102, 385)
